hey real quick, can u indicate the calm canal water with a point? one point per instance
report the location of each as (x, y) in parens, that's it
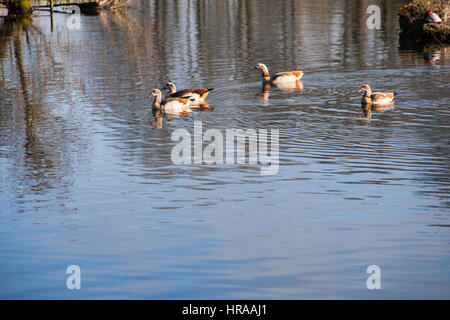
(86, 180)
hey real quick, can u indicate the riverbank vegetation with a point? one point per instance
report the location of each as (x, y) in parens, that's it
(20, 8)
(415, 30)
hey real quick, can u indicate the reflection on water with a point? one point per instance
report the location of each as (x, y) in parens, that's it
(296, 86)
(87, 179)
(368, 108)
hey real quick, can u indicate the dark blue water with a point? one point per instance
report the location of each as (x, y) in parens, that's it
(86, 180)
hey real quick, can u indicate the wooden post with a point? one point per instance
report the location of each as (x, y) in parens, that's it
(51, 15)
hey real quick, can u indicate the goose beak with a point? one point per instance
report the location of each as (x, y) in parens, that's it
(255, 68)
(360, 89)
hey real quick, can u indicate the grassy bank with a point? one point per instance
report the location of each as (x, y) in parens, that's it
(415, 29)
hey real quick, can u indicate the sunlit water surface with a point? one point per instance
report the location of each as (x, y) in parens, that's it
(86, 179)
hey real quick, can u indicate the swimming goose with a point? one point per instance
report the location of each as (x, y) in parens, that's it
(280, 77)
(170, 105)
(198, 94)
(376, 98)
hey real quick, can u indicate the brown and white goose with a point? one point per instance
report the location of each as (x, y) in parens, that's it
(198, 94)
(375, 98)
(280, 77)
(170, 105)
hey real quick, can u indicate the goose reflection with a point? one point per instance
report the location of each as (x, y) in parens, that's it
(432, 58)
(159, 116)
(158, 123)
(286, 86)
(290, 86)
(265, 93)
(368, 109)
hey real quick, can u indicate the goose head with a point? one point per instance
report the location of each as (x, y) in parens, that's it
(260, 66)
(170, 86)
(365, 88)
(154, 93)
(264, 70)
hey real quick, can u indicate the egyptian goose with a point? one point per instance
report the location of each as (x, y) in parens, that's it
(280, 77)
(198, 94)
(170, 105)
(432, 17)
(375, 98)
